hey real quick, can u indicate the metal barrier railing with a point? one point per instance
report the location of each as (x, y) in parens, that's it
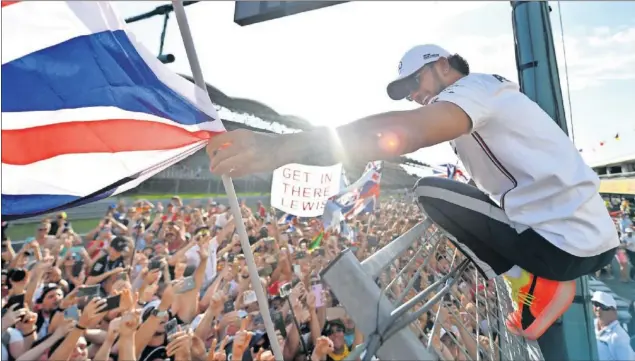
(419, 298)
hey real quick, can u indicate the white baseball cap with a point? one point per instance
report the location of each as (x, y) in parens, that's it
(413, 60)
(604, 299)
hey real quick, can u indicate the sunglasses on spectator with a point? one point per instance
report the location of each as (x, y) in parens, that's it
(203, 234)
(601, 306)
(336, 329)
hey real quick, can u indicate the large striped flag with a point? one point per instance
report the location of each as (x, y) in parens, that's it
(87, 112)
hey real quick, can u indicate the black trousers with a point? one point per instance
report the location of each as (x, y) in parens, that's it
(485, 234)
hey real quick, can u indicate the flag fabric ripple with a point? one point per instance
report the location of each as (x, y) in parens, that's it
(87, 112)
(361, 196)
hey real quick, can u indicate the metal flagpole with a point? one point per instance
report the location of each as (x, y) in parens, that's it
(197, 73)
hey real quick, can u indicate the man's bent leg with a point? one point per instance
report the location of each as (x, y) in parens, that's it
(470, 216)
(486, 236)
(481, 226)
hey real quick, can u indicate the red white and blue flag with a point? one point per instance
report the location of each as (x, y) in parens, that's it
(87, 112)
(361, 196)
(450, 171)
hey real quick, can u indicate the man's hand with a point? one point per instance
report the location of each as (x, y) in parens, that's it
(168, 296)
(219, 355)
(323, 347)
(217, 303)
(198, 348)
(117, 271)
(128, 301)
(266, 356)
(64, 328)
(113, 329)
(242, 152)
(241, 339)
(180, 346)
(27, 324)
(129, 323)
(203, 247)
(92, 315)
(150, 276)
(42, 267)
(13, 315)
(70, 299)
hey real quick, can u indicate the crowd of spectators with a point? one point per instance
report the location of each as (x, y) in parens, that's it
(623, 215)
(154, 282)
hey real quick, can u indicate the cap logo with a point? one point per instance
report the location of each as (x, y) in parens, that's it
(428, 56)
(400, 66)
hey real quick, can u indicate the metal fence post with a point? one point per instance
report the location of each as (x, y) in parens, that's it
(197, 73)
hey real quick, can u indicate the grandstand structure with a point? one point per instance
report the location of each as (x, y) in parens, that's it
(192, 175)
(617, 176)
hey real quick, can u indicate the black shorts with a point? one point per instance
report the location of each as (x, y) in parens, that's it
(484, 233)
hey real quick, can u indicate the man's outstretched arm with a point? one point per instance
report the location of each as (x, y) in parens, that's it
(378, 137)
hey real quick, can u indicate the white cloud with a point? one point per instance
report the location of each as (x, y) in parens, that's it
(601, 54)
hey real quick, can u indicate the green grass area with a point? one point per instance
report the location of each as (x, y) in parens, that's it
(193, 195)
(20, 232)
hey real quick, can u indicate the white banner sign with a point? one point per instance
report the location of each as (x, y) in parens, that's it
(302, 190)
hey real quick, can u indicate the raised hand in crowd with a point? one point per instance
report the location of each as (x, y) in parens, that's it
(12, 316)
(180, 346)
(323, 347)
(241, 340)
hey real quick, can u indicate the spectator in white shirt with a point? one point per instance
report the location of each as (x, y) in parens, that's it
(629, 241)
(15, 344)
(223, 217)
(193, 259)
(612, 340)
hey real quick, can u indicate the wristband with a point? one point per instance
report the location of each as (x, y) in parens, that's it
(77, 326)
(29, 334)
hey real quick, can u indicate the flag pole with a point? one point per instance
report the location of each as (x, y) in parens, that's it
(197, 73)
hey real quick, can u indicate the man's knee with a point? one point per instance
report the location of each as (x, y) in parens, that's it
(429, 187)
(426, 186)
(437, 182)
(427, 193)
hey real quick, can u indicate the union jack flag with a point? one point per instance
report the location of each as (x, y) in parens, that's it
(87, 112)
(450, 171)
(361, 196)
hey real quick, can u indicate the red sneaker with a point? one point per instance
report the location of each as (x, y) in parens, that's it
(540, 302)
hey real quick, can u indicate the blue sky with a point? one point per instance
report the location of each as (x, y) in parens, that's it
(331, 66)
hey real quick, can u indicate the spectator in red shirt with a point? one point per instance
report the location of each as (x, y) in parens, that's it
(262, 211)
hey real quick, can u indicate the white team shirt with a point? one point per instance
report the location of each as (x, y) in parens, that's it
(528, 166)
